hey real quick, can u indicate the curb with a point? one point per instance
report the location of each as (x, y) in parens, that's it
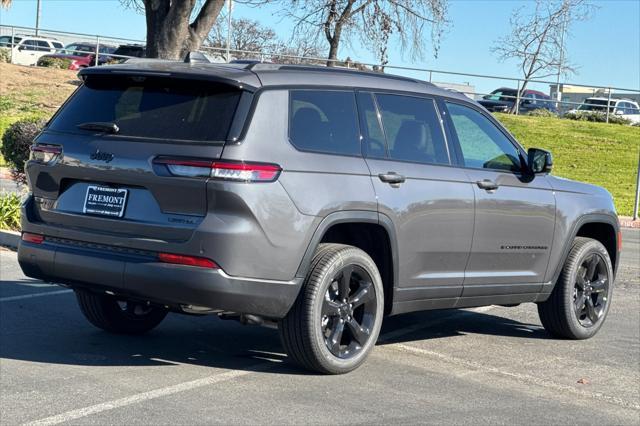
(9, 239)
(627, 222)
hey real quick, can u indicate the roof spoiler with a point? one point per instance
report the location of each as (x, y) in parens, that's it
(196, 58)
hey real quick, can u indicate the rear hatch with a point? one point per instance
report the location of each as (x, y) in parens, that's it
(100, 164)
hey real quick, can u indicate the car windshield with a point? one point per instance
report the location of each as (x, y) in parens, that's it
(150, 107)
(502, 95)
(596, 105)
(77, 50)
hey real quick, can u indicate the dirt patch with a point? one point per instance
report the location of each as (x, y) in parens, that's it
(33, 89)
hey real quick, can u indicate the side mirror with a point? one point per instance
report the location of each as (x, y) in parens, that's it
(527, 102)
(21, 47)
(540, 161)
(619, 112)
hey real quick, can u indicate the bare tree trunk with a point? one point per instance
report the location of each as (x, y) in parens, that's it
(333, 53)
(170, 35)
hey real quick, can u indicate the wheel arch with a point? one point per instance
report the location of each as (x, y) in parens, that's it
(601, 227)
(362, 229)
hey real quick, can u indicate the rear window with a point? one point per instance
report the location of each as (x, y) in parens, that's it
(152, 107)
(324, 121)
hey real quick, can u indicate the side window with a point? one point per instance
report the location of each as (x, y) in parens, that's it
(30, 45)
(373, 137)
(57, 44)
(43, 46)
(483, 145)
(324, 121)
(413, 130)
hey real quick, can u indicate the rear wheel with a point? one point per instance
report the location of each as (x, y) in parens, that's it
(336, 319)
(119, 315)
(580, 300)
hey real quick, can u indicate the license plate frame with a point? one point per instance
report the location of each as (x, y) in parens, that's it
(105, 201)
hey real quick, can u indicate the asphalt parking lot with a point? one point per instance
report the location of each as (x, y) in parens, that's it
(487, 365)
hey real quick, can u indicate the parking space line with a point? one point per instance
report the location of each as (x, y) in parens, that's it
(521, 378)
(153, 394)
(29, 296)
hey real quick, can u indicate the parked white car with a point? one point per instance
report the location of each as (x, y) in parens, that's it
(625, 108)
(29, 49)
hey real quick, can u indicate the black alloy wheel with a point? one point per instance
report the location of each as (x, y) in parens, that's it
(348, 311)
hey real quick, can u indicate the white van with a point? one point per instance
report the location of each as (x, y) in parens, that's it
(29, 49)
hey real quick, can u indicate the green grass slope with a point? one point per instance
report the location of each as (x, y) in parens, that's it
(598, 153)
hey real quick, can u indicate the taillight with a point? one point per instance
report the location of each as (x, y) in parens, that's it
(245, 172)
(32, 238)
(45, 153)
(179, 259)
(224, 170)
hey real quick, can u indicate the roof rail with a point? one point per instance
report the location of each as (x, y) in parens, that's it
(196, 58)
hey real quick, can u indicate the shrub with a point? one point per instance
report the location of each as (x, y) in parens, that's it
(16, 141)
(596, 116)
(541, 112)
(10, 211)
(5, 54)
(48, 62)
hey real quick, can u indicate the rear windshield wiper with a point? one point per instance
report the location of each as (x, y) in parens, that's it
(100, 126)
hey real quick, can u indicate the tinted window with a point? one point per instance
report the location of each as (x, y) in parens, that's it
(412, 128)
(57, 45)
(152, 107)
(483, 145)
(373, 137)
(30, 45)
(324, 121)
(43, 45)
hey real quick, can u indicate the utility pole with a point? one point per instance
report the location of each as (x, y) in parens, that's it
(39, 9)
(560, 64)
(229, 9)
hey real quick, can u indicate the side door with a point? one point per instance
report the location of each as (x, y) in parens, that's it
(429, 202)
(25, 52)
(514, 211)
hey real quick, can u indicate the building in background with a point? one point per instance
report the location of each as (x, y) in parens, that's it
(465, 88)
(577, 94)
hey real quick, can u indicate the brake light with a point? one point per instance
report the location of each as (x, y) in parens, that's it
(32, 238)
(245, 172)
(179, 259)
(45, 153)
(224, 170)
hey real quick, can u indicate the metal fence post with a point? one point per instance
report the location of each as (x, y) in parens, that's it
(13, 44)
(635, 206)
(518, 99)
(97, 50)
(430, 75)
(608, 104)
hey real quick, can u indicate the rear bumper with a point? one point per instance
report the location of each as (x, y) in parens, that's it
(139, 275)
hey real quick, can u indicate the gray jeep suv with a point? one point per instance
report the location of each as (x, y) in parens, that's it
(315, 199)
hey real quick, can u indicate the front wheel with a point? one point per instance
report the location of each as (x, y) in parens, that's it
(336, 319)
(119, 315)
(581, 298)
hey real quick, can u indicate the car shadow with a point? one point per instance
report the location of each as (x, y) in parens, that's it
(56, 333)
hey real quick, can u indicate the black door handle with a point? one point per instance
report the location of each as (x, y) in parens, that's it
(391, 177)
(487, 184)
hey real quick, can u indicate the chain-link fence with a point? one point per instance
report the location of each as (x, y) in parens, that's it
(511, 94)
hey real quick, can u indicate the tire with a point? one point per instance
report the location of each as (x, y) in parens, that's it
(119, 316)
(579, 302)
(322, 332)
